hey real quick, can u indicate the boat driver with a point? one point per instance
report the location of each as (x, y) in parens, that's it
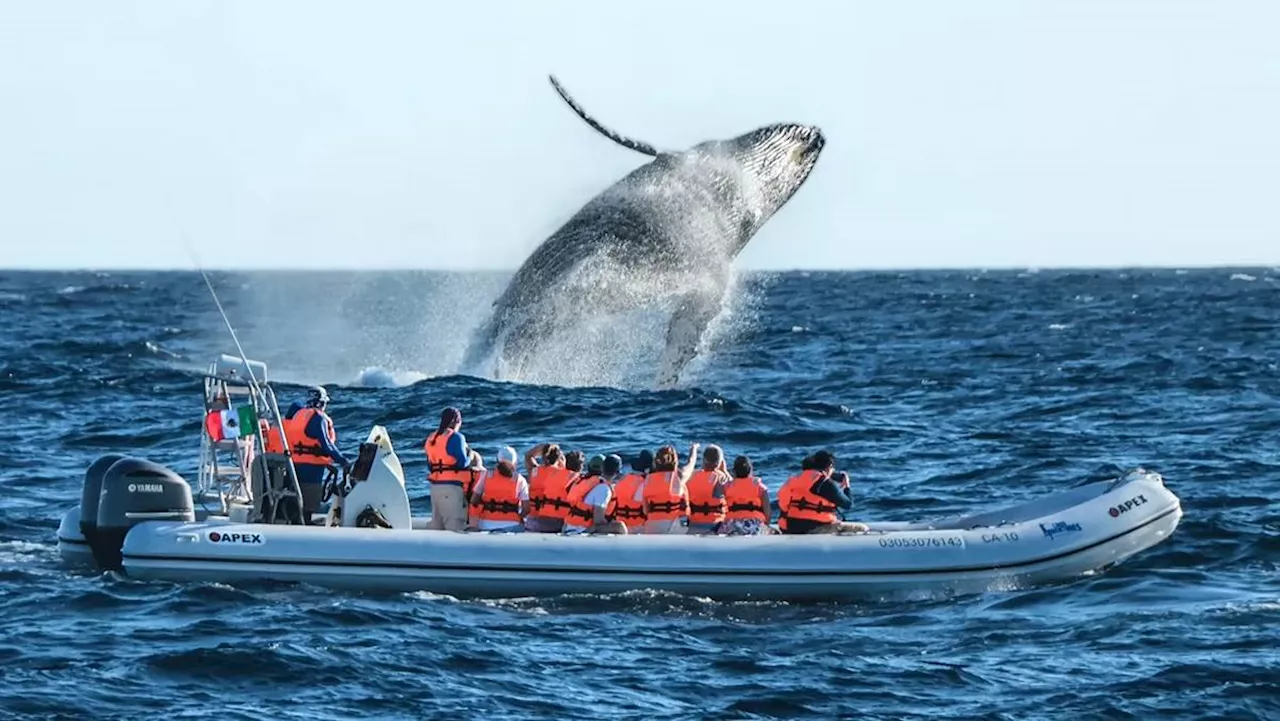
(314, 448)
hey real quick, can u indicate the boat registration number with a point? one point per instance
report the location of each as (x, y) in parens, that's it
(896, 541)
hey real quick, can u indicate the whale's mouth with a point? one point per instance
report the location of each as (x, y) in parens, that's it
(810, 141)
(816, 143)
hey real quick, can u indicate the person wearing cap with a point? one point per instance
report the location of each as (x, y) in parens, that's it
(629, 508)
(452, 468)
(591, 500)
(809, 502)
(595, 466)
(501, 496)
(313, 445)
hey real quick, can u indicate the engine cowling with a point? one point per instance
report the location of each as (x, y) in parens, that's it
(135, 491)
(91, 494)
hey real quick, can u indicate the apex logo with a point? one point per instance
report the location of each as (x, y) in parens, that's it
(248, 539)
(1127, 506)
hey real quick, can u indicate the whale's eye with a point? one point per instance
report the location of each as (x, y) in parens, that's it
(797, 155)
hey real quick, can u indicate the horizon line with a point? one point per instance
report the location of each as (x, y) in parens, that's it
(794, 269)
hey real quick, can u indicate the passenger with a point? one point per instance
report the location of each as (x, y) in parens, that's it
(629, 508)
(468, 490)
(452, 468)
(501, 498)
(573, 460)
(808, 502)
(706, 493)
(612, 469)
(595, 466)
(665, 493)
(591, 501)
(548, 488)
(747, 502)
(314, 449)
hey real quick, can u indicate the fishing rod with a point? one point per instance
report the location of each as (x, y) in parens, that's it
(253, 378)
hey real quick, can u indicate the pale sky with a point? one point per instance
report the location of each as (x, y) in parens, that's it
(425, 135)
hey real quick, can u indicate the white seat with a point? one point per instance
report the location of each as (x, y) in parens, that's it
(383, 490)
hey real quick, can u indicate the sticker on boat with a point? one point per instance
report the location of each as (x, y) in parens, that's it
(1059, 528)
(896, 541)
(1127, 506)
(244, 539)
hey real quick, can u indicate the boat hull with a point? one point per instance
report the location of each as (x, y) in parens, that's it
(73, 548)
(1073, 534)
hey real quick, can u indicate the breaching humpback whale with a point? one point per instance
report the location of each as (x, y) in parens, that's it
(663, 237)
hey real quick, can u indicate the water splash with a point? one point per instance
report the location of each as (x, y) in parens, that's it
(375, 377)
(375, 329)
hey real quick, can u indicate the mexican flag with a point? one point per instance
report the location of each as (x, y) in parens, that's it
(233, 423)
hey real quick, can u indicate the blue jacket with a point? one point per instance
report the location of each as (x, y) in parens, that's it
(835, 492)
(318, 430)
(456, 447)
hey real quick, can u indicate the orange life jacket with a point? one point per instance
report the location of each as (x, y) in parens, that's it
(667, 497)
(306, 450)
(273, 440)
(704, 507)
(742, 500)
(469, 487)
(797, 501)
(625, 506)
(549, 491)
(500, 500)
(442, 467)
(582, 514)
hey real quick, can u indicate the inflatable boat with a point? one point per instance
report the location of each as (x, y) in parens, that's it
(147, 523)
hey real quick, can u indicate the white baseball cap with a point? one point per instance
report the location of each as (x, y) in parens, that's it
(507, 454)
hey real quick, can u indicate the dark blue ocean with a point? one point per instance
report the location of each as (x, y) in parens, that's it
(940, 392)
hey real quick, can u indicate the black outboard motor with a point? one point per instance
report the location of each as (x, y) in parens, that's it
(133, 491)
(91, 493)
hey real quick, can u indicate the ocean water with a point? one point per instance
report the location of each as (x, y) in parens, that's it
(940, 392)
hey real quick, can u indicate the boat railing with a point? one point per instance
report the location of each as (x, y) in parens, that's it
(232, 455)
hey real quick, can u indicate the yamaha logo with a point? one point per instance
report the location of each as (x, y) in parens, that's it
(1127, 506)
(244, 539)
(145, 488)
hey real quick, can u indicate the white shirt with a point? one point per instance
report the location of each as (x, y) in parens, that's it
(522, 493)
(597, 498)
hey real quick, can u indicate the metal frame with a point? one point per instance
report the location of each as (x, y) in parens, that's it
(232, 481)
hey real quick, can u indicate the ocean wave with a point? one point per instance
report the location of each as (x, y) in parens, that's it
(959, 403)
(375, 377)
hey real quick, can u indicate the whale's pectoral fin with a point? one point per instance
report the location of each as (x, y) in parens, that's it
(685, 332)
(629, 143)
